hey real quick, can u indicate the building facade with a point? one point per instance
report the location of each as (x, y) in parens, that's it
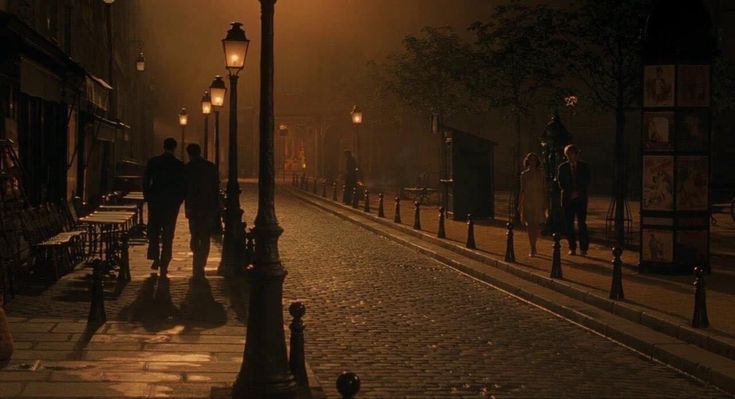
(71, 99)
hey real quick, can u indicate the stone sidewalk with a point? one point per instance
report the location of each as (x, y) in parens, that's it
(176, 338)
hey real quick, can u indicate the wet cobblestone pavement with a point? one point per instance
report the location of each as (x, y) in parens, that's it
(409, 327)
(412, 328)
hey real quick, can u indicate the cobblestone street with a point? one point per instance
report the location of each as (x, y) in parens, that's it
(408, 326)
(411, 327)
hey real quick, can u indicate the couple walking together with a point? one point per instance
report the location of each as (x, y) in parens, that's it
(166, 184)
(573, 177)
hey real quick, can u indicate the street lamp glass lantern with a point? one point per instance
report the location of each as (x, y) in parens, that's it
(109, 1)
(140, 62)
(206, 103)
(183, 117)
(235, 45)
(356, 115)
(217, 91)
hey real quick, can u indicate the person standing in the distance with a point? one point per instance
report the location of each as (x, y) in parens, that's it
(202, 205)
(532, 200)
(164, 187)
(574, 179)
(350, 177)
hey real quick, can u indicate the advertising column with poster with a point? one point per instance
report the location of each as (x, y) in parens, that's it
(675, 135)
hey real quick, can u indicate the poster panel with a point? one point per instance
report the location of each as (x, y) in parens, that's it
(658, 183)
(658, 131)
(693, 86)
(657, 245)
(658, 89)
(692, 174)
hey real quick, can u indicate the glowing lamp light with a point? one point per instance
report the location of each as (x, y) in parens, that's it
(356, 115)
(109, 1)
(283, 129)
(183, 117)
(217, 91)
(206, 103)
(235, 45)
(140, 62)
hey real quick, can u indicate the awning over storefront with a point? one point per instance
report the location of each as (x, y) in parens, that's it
(107, 130)
(37, 81)
(98, 92)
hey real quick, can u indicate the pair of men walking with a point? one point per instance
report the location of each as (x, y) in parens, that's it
(167, 183)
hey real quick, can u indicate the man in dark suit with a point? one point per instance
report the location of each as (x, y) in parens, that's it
(350, 177)
(574, 179)
(202, 205)
(164, 187)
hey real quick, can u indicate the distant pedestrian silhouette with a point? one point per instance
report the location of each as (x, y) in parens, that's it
(350, 177)
(163, 188)
(574, 178)
(202, 205)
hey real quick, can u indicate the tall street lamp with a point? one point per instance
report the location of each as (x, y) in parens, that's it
(217, 91)
(356, 115)
(265, 372)
(235, 45)
(206, 110)
(183, 121)
(140, 62)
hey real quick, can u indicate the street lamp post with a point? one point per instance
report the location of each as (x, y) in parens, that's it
(265, 372)
(206, 110)
(356, 115)
(283, 132)
(217, 91)
(235, 45)
(183, 121)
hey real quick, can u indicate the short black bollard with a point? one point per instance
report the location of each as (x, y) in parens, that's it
(416, 215)
(314, 186)
(367, 201)
(324, 189)
(123, 274)
(700, 319)
(355, 198)
(344, 194)
(348, 385)
(556, 258)
(470, 232)
(616, 288)
(441, 233)
(334, 191)
(297, 361)
(510, 253)
(397, 215)
(381, 214)
(97, 292)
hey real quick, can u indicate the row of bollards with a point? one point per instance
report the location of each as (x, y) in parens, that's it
(699, 319)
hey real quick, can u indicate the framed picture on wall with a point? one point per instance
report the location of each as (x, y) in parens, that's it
(657, 245)
(658, 183)
(658, 129)
(658, 89)
(691, 247)
(692, 130)
(693, 86)
(692, 175)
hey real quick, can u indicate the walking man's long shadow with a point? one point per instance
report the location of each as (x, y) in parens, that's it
(154, 309)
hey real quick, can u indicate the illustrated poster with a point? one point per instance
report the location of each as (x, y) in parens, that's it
(691, 183)
(657, 245)
(693, 86)
(658, 90)
(658, 128)
(658, 183)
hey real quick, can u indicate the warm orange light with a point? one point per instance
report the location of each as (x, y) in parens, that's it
(183, 117)
(356, 115)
